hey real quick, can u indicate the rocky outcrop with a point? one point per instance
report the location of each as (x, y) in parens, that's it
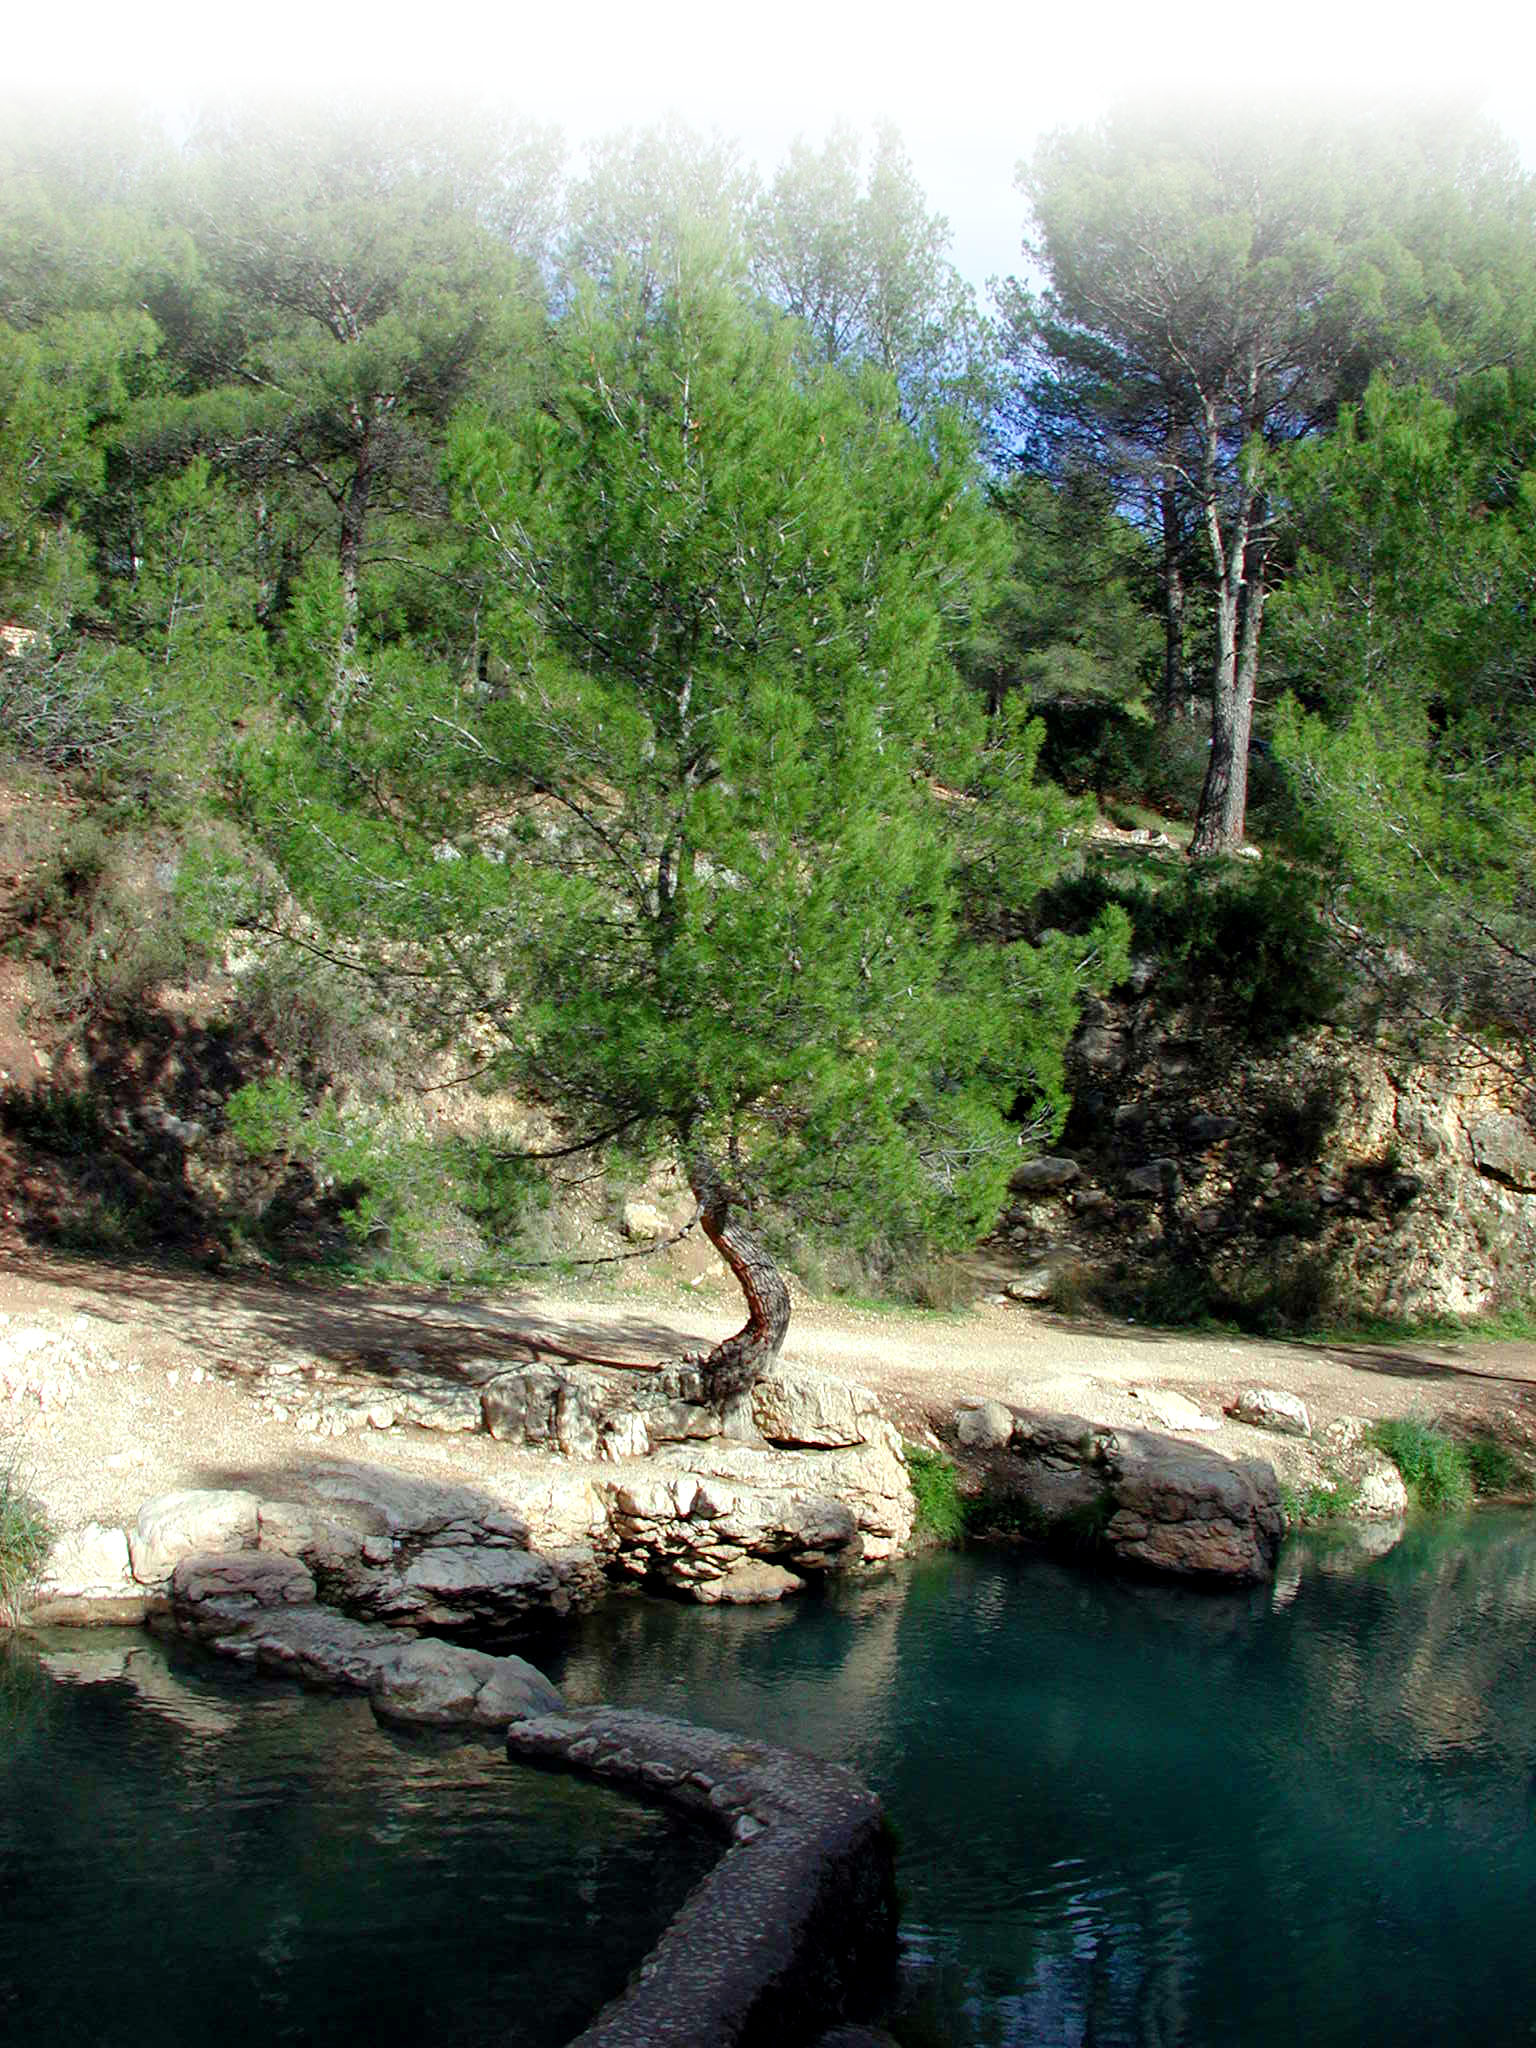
(260, 1608)
(1332, 1174)
(1146, 1501)
(794, 1928)
(802, 1477)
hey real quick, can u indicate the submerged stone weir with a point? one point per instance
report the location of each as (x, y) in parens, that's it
(795, 1927)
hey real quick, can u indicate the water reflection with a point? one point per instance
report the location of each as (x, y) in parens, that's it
(1139, 1815)
(184, 1851)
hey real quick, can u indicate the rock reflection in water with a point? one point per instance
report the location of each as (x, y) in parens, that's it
(185, 1851)
(1134, 1814)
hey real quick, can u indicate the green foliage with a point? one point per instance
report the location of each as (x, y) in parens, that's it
(942, 1510)
(25, 1537)
(267, 1117)
(1244, 940)
(1324, 1500)
(1495, 1468)
(1405, 634)
(1071, 625)
(1436, 1469)
(741, 797)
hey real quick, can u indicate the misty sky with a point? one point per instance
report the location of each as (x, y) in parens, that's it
(969, 86)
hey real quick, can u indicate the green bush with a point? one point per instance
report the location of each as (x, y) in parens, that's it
(266, 1118)
(941, 1511)
(24, 1538)
(1244, 940)
(1436, 1470)
(1495, 1468)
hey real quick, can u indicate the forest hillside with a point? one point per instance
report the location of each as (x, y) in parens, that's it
(540, 701)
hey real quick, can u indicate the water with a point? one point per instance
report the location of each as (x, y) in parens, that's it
(1127, 1815)
(190, 1855)
(1139, 1815)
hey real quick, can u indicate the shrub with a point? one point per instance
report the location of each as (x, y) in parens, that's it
(1436, 1471)
(1322, 1501)
(1495, 1468)
(941, 1510)
(24, 1538)
(266, 1117)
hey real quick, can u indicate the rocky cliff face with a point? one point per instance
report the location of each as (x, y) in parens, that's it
(1335, 1174)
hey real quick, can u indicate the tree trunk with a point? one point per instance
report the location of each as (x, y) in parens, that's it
(738, 1362)
(1224, 798)
(1175, 680)
(1175, 693)
(354, 518)
(1222, 817)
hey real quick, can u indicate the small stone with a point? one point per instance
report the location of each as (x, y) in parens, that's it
(1038, 1176)
(985, 1426)
(644, 1222)
(1034, 1286)
(1272, 1408)
(1211, 1130)
(1157, 1177)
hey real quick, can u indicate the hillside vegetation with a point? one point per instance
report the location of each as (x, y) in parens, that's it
(522, 684)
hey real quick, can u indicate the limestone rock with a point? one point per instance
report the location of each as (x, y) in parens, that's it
(983, 1425)
(1505, 1149)
(1157, 1177)
(218, 1594)
(434, 1684)
(1038, 1284)
(90, 1562)
(1379, 1489)
(1172, 1410)
(1272, 1408)
(644, 1222)
(1044, 1175)
(792, 1405)
(177, 1525)
(1212, 1130)
(750, 1584)
(1157, 1503)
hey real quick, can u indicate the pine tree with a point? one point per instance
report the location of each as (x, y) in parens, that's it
(700, 851)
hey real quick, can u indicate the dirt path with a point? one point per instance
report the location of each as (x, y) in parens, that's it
(121, 1382)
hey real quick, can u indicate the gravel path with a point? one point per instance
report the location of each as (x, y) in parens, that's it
(121, 1382)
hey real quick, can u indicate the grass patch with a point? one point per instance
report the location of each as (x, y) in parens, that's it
(942, 1512)
(24, 1538)
(1514, 1320)
(1323, 1501)
(1436, 1470)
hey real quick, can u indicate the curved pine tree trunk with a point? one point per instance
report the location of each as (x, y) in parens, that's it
(738, 1362)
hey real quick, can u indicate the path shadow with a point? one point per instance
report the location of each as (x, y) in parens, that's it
(373, 1334)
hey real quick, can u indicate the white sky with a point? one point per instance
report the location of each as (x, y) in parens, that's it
(969, 85)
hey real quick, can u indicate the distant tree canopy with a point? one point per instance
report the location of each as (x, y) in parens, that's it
(1218, 287)
(606, 600)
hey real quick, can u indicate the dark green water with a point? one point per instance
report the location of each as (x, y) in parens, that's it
(190, 1856)
(1132, 1815)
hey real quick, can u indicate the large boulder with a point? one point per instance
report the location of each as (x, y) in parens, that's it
(432, 1684)
(259, 1607)
(1151, 1502)
(796, 1407)
(178, 1525)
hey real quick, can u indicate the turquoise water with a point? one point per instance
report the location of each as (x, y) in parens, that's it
(1305, 1815)
(189, 1855)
